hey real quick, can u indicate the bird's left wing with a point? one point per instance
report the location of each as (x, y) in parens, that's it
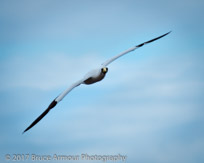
(54, 103)
(131, 49)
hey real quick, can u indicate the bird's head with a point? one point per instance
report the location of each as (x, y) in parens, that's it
(104, 70)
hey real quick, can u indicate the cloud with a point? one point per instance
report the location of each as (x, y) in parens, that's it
(45, 72)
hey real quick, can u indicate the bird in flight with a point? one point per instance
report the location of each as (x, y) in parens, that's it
(91, 77)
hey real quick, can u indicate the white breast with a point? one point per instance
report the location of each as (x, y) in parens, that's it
(93, 73)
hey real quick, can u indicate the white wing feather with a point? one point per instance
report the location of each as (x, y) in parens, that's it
(63, 94)
(131, 49)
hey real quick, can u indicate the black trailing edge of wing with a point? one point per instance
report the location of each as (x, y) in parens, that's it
(52, 105)
(140, 45)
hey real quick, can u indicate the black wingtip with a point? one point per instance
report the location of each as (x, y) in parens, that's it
(166, 33)
(140, 45)
(52, 105)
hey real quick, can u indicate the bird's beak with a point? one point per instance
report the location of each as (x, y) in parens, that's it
(104, 70)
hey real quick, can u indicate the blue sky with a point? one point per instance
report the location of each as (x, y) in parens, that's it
(150, 105)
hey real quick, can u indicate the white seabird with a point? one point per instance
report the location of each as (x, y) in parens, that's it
(90, 78)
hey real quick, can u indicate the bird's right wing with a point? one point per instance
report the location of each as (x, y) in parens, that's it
(63, 94)
(54, 103)
(131, 49)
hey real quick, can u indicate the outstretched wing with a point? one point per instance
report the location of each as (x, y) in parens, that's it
(54, 103)
(131, 49)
